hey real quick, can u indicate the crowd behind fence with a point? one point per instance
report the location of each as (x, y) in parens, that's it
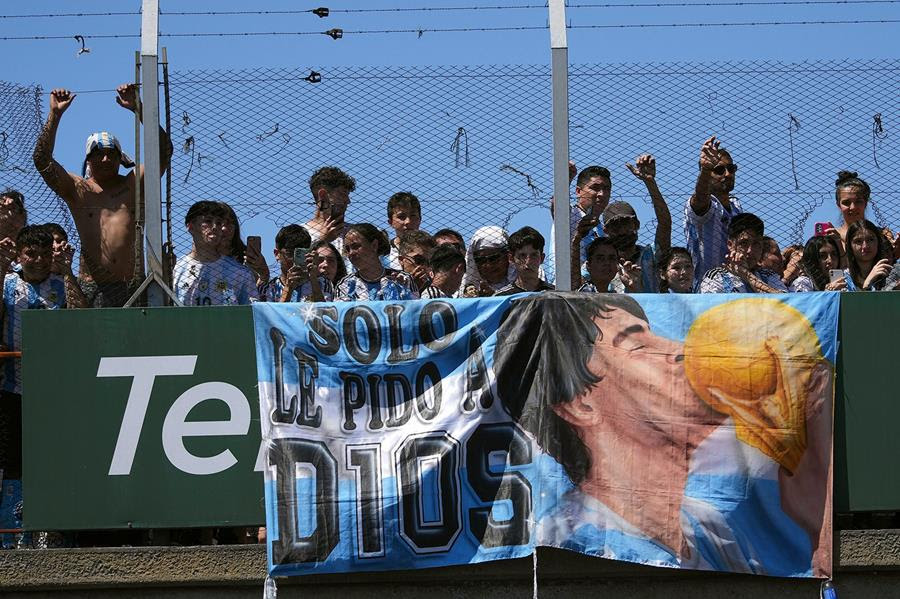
(474, 145)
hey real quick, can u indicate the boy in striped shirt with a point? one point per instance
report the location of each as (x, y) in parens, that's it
(741, 272)
(31, 286)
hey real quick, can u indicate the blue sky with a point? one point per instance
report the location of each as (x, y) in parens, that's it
(55, 63)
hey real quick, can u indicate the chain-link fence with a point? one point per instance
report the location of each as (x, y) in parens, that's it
(21, 121)
(474, 143)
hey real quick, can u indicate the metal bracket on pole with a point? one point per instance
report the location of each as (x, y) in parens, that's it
(152, 186)
(559, 55)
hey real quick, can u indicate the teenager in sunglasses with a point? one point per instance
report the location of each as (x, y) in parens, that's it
(710, 210)
(488, 268)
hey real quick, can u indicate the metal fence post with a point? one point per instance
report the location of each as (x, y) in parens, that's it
(152, 187)
(559, 54)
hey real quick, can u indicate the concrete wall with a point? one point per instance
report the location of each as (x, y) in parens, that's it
(868, 565)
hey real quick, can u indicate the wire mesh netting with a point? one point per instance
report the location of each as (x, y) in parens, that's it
(20, 123)
(475, 143)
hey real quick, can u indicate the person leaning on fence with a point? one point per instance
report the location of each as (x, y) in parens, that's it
(32, 287)
(297, 282)
(404, 213)
(676, 271)
(710, 209)
(791, 257)
(415, 248)
(364, 244)
(488, 268)
(621, 224)
(204, 277)
(448, 265)
(741, 272)
(771, 258)
(526, 252)
(331, 188)
(603, 266)
(819, 258)
(12, 213)
(329, 262)
(870, 259)
(593, 187)
(101, 200)
(232, 245)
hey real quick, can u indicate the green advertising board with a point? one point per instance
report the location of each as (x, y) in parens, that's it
(140, 418)
(150, 417)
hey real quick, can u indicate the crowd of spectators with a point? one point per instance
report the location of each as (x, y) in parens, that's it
(330, 259)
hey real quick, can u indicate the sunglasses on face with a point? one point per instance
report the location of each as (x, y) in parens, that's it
(490, 258)
(720, 169)
(417, 260)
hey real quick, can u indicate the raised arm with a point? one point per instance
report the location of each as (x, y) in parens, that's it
(709, 157)
(644, 168)
(54, 175)
(127, 98)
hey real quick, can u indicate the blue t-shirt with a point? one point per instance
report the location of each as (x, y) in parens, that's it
(18, 295)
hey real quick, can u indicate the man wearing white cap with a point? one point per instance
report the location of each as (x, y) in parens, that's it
(101, 200)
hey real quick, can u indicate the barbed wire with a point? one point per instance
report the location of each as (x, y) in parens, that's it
(338, 33)
(326, 11)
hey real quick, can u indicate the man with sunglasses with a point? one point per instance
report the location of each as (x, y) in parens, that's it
(415, 248)
(711, 208)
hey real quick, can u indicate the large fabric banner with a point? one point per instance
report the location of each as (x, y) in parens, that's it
(678, 431)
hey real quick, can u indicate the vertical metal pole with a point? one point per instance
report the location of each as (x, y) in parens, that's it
(168, 247)
(138, 272)
(559, 55)
(152, 187)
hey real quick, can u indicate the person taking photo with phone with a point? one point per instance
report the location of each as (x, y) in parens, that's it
(299, 279)
(820, 267)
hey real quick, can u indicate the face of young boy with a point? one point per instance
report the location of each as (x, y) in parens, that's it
(405, 220)
(35, 262)
(207, 230)
(528, 259)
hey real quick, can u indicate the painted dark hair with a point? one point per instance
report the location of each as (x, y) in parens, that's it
(547, 338)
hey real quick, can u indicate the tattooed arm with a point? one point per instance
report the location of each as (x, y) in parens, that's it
(56, 177)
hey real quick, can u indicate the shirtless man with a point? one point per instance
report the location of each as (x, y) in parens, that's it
(101, 200)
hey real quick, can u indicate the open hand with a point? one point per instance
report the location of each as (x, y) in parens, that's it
(62, 259)
(60, 99)
(630, 274)
(127, 96)
(881, 270)
(586, 225)
(644, 167)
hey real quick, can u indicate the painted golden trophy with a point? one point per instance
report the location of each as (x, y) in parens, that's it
(752, 359)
